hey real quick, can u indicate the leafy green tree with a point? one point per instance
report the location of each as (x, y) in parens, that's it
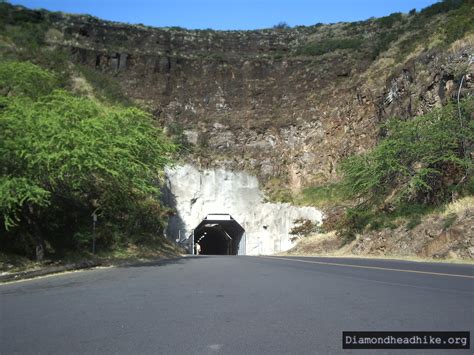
(63, 157)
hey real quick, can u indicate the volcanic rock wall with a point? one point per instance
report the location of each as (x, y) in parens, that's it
(255, 101)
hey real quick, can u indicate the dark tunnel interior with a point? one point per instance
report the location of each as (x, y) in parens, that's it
(214, 241)
(219, 235)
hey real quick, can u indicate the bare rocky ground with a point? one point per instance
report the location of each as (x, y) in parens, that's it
(448, 235)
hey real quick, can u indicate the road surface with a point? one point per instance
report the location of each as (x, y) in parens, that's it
(233, 305)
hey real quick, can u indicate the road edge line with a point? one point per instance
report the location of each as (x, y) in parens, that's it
(370, 267)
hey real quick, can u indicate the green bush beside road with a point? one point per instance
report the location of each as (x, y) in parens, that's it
(64, 158)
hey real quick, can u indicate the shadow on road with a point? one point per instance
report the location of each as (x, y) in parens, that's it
(162, 262)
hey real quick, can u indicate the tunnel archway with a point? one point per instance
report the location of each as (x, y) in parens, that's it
(219, 234)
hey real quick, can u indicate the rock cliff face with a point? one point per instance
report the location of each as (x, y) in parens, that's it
(280, 103)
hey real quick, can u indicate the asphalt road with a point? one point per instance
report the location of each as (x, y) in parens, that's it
(234, 305)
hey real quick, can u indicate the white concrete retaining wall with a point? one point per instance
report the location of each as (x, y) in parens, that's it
(199, 193)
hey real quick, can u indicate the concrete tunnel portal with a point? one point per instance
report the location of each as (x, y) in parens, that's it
(220, 234)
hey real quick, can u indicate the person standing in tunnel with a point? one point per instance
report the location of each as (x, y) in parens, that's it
(197, 248)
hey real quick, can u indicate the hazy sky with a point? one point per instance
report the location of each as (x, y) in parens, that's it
(229, 14)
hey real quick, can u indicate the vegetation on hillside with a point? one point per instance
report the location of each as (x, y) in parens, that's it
(65, 158)
(403, 32)
(419, 165)
(24, 37)
(422, 159)
(329, 45)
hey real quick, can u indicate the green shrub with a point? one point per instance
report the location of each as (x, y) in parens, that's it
(459, 23)
(384, 41)
(412, 171)
(468, 187)
(408, 209)
(408, 44)
(329, 45)
(353, 222)
(26, 28)
(25, 79)
(281, 26)
(414, 159)
(63, 157)
(389, 21)
(442, 7)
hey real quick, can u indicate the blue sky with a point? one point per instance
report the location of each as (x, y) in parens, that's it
(229, 14)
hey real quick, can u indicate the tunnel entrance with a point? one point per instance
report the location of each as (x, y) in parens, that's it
(220, 234)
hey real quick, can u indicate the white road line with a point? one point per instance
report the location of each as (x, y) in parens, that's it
(369, 267)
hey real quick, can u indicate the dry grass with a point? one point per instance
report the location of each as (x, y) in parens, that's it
(320, 244)
(328, 245)
(81, 86)
(54, 36)
(466, 41)
(460, 207)
(442, 236)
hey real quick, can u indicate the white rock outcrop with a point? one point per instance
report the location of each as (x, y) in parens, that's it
(195, 194)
